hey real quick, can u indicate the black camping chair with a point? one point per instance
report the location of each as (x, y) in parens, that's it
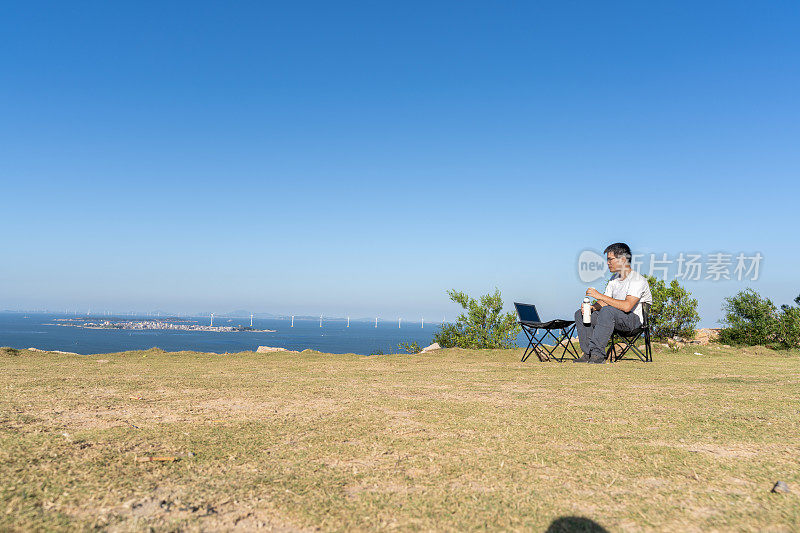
(531, 324)
(629, 339)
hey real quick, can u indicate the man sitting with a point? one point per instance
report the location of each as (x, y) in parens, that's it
(619, 307)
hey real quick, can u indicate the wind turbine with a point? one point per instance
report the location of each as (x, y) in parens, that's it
(320, 320)
(212, 320)
(423, 322)
(251, 320)
(398, 322)
(292, 322)
(376, 322)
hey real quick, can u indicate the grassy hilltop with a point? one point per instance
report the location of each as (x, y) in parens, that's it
(451, 440)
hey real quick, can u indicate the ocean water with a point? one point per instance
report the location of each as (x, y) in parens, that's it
(34, 331)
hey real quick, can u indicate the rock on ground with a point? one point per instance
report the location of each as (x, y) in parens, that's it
(51, 351)
(781, 488)
(702, 337)
(705, 335)
(267, 349)
(432, 347)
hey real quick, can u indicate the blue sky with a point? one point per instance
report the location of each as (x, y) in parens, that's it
(362, 158)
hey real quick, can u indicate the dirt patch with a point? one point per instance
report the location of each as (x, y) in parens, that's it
(354, 491)
(654, 482)
(731, 451)
(165, 507)
(727, 451)
(472, 487)
(83, 419)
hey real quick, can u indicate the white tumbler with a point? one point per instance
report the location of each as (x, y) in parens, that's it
(587, 312)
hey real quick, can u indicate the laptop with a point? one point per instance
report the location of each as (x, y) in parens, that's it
(527, 312)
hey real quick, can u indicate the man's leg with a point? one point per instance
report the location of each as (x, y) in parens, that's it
(584, 333)
(608, 318)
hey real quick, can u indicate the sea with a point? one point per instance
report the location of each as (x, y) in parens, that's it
(42, 330)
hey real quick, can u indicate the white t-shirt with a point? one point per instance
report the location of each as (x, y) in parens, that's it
(634, 284)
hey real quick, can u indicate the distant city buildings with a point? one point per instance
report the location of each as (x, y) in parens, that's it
(154, 325)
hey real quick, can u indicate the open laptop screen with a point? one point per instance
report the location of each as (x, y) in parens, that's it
(527, 312)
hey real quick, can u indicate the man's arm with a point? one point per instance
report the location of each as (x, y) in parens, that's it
(626, 305)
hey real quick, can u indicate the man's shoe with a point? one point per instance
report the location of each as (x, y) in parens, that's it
(597, 359)
(584, 359)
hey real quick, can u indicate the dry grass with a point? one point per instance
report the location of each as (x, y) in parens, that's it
(453, 440)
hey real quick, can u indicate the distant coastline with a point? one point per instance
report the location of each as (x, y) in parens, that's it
(140, 325)
(89, 334)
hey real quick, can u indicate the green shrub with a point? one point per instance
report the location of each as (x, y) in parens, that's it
(673, 312)
(410, 347)
(749, 319)
(788, 333)
(484, 325)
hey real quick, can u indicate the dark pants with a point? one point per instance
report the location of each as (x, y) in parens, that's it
(594, 338)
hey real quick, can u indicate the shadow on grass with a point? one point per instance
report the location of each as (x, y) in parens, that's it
(575, 524)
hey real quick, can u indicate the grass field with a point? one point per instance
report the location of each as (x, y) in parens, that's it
(453, 440)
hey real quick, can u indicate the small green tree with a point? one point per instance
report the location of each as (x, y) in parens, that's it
(749, 319)
(484, 325)
(673, 312)
(788, 332)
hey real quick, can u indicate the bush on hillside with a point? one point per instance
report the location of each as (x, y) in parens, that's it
(751, 319)
(410, 347)
(673, 312)
(483, 325)
(788, 334)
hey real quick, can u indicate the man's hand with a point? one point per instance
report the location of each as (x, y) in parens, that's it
(591, 292)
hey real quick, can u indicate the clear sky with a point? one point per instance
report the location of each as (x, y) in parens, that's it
(362, 158)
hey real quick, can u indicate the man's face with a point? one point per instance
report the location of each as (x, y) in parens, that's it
(614, 263)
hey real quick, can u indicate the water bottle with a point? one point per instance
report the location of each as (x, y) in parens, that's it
(587, 312)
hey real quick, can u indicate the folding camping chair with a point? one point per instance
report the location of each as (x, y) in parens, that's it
(531, 324)
(629, 339)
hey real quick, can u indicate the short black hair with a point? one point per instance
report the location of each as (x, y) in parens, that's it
(619, 249)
